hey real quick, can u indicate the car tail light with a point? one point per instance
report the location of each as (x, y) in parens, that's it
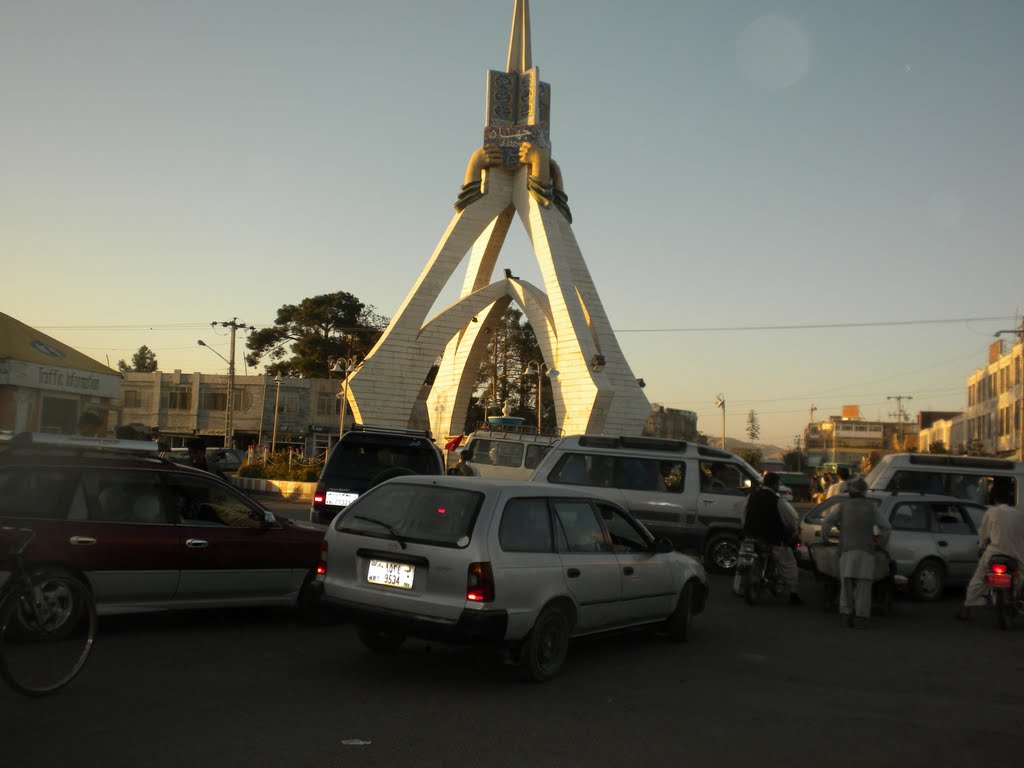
(319, 493)
(480, 583)
(321, 567)
(999, 568)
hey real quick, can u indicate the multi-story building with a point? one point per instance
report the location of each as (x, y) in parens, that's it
(992, 423)
(272, 412)
(671, 423)
(848, 438)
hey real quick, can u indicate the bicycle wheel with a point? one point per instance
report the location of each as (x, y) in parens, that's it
(46, 633)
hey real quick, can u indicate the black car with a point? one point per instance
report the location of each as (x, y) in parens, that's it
(367, 456)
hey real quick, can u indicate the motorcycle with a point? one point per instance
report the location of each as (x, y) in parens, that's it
(1003, 580)
(758, 573)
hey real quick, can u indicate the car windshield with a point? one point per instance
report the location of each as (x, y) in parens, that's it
(414, 513)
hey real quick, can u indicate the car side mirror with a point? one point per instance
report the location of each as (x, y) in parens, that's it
(663, 545)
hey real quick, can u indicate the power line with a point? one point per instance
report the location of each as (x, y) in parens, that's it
(810, 327)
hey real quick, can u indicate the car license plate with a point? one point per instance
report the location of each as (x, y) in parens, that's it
(390, 574)
(339, 499)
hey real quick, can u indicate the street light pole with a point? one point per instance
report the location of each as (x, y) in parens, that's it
(276, 401)
(346, 366)
(540, 368)
(720, 402)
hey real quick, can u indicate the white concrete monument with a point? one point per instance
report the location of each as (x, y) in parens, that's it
(594, 390)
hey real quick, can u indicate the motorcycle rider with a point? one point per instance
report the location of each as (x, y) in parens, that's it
(771, 519)
(1001, 533)
(857, 518)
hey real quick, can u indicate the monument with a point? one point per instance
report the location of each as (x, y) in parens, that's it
(511, 174)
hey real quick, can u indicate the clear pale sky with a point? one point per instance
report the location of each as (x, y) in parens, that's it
(742, 176)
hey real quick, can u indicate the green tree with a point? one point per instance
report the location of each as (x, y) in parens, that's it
(143, 361)
(795, 460)
(511, 346)
(307, 337)
(937, 446)
(752, 456)
(753, 428)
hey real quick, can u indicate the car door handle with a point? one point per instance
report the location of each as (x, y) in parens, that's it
(628, 570)
(573, 573)
(943, 543)
(82, 541)
(197, 543)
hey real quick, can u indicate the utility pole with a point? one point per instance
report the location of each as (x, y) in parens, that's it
(799, 462)
(229, 417)
(900, 416)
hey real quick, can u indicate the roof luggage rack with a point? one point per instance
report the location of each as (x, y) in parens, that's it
(81, 443)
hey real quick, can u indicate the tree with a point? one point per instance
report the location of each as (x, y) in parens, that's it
(753, 428)
(511, 346)
(937, 446)
(795, 460)
(308, 337)
(143, 361)
(752, 456)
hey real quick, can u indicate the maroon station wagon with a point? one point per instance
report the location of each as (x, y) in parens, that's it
(147, 534)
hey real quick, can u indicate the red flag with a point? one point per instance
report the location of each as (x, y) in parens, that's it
(454, 443)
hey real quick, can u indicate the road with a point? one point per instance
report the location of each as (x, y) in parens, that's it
(770, 685)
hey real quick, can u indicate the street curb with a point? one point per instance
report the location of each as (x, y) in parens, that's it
(287, 490)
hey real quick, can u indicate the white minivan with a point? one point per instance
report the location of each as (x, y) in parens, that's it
(505, 454)
(691, 494)
(964, 477)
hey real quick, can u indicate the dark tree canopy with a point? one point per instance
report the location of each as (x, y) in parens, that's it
(143, 361)
(307, 337)
(510, 348)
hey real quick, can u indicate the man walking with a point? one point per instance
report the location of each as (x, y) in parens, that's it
(857, 518)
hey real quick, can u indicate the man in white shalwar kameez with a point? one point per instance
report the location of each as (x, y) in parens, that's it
(857, 518)
(1001, 533)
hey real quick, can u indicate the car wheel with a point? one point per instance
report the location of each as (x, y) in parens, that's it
(928, 580)
(678, 624)
(310, 606)
(379, 640)
(59, 591)
(546, 647)
(722, 553)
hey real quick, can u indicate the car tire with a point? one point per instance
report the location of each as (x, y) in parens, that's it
(545, 649)
(60, 588)
(928, 581)
(379, 640)
(722, 553)
(310, 605)
(678, 624)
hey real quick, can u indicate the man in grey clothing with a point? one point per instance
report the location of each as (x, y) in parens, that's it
(857, 518)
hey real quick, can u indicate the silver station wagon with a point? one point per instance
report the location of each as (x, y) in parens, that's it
(519, 565)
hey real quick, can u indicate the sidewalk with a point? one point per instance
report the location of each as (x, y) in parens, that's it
(286, 490)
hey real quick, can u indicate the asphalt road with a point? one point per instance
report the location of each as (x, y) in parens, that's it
(771, 685)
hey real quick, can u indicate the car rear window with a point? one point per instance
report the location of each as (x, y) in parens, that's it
(425, 514)
(33, 493)
(356, 462)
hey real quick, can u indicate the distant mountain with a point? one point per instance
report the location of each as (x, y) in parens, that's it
(735, 446)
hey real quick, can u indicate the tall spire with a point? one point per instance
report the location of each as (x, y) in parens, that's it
(519, 55)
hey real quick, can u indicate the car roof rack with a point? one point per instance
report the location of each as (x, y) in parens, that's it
(80, 442)
(391, 430)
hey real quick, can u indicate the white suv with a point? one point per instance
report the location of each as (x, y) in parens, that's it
(519, 565)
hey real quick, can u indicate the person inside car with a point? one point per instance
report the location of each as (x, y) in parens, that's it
(769, 518)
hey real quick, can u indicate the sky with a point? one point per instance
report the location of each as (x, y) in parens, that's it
(791, 204)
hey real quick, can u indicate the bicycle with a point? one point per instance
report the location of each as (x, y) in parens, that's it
(47, 623)
(758, 571)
